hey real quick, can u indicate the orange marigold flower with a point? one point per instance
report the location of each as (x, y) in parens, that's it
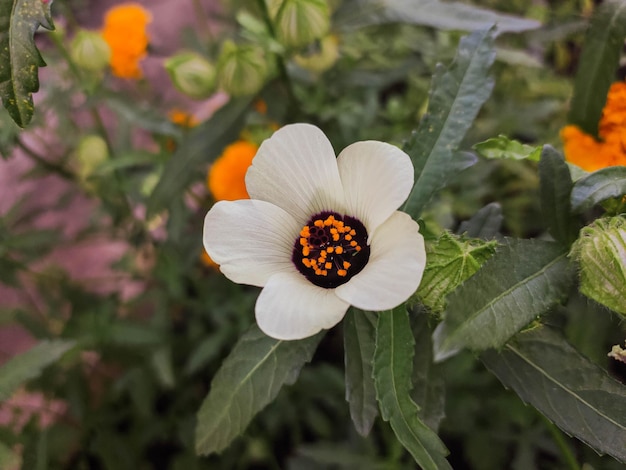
(125, 32)
(182, 118)
(226, 177)
(613, 119)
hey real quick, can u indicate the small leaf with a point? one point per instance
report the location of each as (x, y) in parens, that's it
(502, 147)
(485, 224)
(555, 186)
(456, 96)
(203, 144)
(598, 64)
(577, 395)
(393, 366)
(359, 336)
(19, 57)
(29, 364)
(598, 186)
(520, 282)
(249, 379)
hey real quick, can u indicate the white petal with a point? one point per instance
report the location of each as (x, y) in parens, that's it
(290, 307)
(394, 270)
(377, 178)
(296, 169)
(250, 240)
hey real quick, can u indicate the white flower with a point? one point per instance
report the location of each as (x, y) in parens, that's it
(319, 233)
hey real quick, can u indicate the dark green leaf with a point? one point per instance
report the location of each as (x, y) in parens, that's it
(204, 144)
(485, 224)
(503, 147)
(359, 337)
(19, 57)
(456, 96)
(577, 395)
(598, 186)
(434, 13)
(555, 186)
(520, 282)
(29, 365)
(598, 64)
(393, 367)
(249, 379)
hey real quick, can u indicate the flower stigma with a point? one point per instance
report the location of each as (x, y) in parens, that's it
(331, 249)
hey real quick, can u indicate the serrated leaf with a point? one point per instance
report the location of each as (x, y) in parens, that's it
(433, 13)
(598, 186)
(29, 364)
(456, 96)
(523, 280)
(555, 189)
(577, 395)
(393, 366)
(19, 57)
(450, 262)
(359, 339)
(203, 144)
(502, 147)
(249, 379)
(598, 64)
(485, 224)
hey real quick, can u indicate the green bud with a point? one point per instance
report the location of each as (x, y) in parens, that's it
(601, 254)
(90, 51)
(91, 152)
(242, 69)
(300, 22)
(191, 74)
(322, 57)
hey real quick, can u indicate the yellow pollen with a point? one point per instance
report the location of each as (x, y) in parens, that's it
(353, 232)
(335, 238)
(348, 237)
(353, 243)
(339, 250)
(346, 265)
(307, 262)
(305, 232)
(328, 265)
(321, 260)
(342, 272)
(330, 249)
(319, 223)
(358, 248)
(306, 251)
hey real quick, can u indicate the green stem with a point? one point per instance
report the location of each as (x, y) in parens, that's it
(203, 19)
(559, 439)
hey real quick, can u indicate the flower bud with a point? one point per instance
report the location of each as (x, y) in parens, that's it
(90, 51)
(322, 58)
(241, 69)
(92, 151)
(191, 74)
(601, 254)
(300, 22)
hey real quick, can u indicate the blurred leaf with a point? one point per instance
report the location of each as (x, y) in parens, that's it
(359, 337)
(19, 57)
(204, 143)
(8, 458)
(128, 333)
(434, 13)
(451, 261)
(249, 379)
(29, 364)
(485, 224)
(503, 147)
(337, 456)
(127, 160)
(393, 368)
(142, 117)
(578, 396)
(456, 96)
(520, 282)
(598, 64)
(598, 186)
(206, 351)
(555, 186)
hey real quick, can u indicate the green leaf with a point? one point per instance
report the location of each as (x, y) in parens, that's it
(598, 64)
(393, 367)
(555, 188)
(19, 57)
(577, 395)
(523, 280)
(450, 261)
(503, 147)
(598, 186)
(204, 143)
(29, 364)
(249, 379)
(359, 337)
(433, 13)
(485, 224)
(8, 458)
(456, 96)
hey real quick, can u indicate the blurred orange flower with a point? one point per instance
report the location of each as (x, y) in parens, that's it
(125, 32)
(182, 118)
(226, 177)
(207, 261)
(590, 154)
